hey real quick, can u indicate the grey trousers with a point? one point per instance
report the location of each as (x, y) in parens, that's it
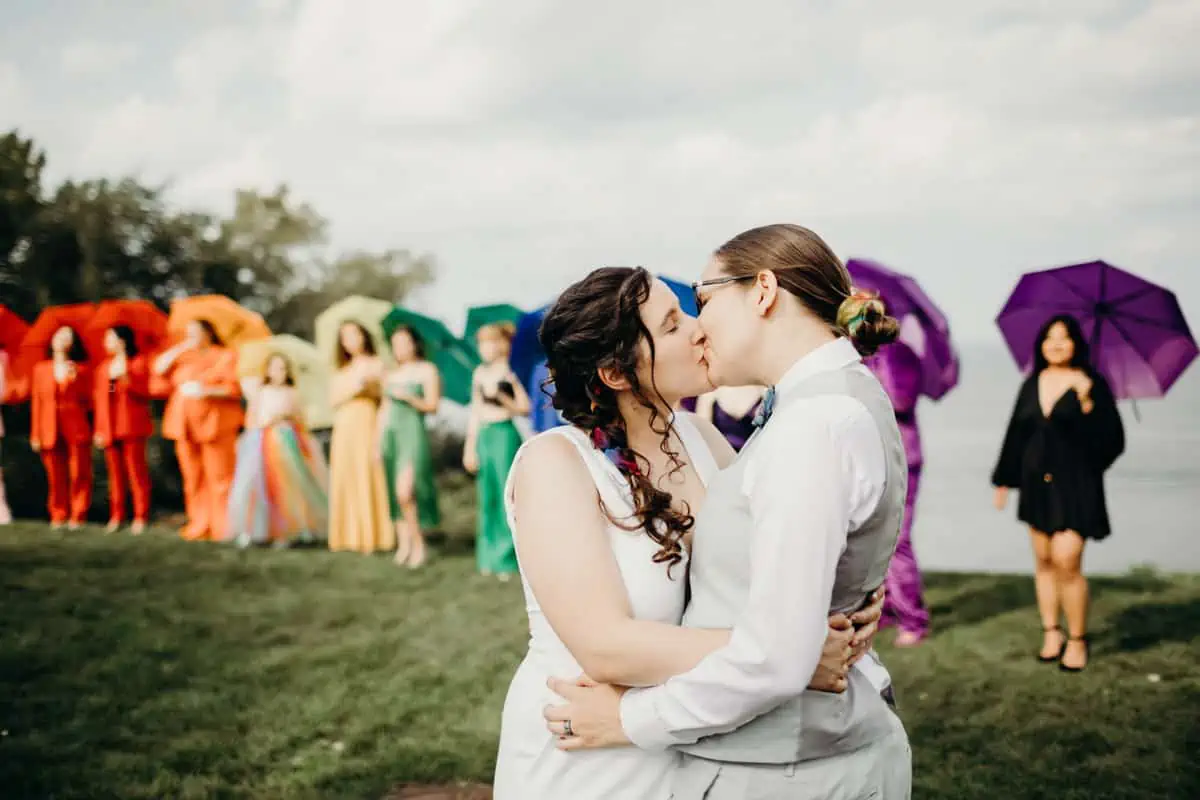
(880, 771)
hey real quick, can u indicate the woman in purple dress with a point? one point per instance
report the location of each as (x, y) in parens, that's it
(899, 370)
(731, 409)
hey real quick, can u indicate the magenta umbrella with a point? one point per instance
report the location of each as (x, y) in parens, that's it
(923, 326)
(1139, 339)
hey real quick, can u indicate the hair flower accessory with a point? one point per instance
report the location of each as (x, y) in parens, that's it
(604, 443)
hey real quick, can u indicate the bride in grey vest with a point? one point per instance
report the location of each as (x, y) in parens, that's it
(802, 524)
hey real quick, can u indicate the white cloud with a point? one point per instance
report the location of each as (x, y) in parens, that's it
(12, 89)
(85, 57)
(526, 141)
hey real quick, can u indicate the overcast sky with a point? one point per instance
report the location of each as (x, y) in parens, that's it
(527, 141)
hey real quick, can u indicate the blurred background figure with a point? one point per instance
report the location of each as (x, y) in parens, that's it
(921, 362)
(411, 390)
(123, 424)
(60, 432)
(203, 417)
(279, 489)
(358, 495)
(1064, 433)
(731, 409)
(492, 441)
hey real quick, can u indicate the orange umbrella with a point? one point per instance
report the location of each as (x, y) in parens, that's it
(234, 324)
(146, 320)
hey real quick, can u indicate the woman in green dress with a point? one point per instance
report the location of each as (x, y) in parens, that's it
(411, 390)
(492, 443)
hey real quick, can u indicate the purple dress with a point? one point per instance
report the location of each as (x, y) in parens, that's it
(899, 370)
(735, 429)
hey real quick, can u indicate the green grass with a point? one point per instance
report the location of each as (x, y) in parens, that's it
(152, 668)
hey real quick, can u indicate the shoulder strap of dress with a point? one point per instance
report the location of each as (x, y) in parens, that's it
(610, 483)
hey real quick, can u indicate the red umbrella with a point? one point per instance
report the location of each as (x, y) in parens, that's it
(12, 331)
(146, 320)
(37, 339)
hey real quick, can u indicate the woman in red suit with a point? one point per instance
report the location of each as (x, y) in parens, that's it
(59, 395)
(121, 399)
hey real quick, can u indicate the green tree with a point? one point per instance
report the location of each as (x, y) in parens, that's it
(21, 165)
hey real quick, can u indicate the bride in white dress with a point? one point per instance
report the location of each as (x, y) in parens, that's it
(600, 512)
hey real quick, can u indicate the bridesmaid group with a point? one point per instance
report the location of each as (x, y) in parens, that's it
(252, 473)
(382, 492)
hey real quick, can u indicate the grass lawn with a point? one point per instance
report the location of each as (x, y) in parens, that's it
(152, 668)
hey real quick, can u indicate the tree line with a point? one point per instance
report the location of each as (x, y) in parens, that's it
(112, 238)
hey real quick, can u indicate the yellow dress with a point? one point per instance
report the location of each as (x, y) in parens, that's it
(359, 518)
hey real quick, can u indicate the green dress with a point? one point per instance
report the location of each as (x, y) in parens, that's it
(496, 446)
(405, 442)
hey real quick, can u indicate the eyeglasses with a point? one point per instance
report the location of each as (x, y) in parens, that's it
(698, 285)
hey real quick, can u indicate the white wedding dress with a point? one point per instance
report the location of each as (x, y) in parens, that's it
(529, 766)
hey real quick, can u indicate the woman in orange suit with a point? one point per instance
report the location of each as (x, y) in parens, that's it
(203, 417)
(121, 401)
(59, 395)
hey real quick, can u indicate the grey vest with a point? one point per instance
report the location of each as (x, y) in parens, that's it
(815, 724)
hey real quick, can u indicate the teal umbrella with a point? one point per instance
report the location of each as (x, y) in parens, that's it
(455, 360)
(479, 316)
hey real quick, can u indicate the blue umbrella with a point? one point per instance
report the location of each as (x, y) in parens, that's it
(687, 298)
(526, 351)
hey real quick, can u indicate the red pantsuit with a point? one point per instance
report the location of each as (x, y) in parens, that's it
(60, 431)
(205, 431)
(123, 424)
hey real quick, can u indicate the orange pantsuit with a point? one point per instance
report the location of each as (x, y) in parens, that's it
(205, 431)
(123, 424)
(59, 429)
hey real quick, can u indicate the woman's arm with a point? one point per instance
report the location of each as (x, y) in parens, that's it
(566, 557)
(1099, 424)
(166, 360)
(518, 404)
(1007, 474)
(470, 443)
(345, 386)
(431, 391)
(220, 382)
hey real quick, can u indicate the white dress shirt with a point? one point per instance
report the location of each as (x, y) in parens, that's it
(818, 473)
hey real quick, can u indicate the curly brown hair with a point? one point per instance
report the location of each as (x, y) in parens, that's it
(597, 324)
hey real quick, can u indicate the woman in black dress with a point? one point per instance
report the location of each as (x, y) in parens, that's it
(1064, 433)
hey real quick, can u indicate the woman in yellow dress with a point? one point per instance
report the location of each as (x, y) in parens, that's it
(359, 517)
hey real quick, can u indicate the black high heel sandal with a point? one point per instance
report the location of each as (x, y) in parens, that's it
(1061, 650)
(1087, 652)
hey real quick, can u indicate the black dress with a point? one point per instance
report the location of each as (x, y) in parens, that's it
(1057, 463)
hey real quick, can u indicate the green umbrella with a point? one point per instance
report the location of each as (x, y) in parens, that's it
(479, 316)
(455, 360)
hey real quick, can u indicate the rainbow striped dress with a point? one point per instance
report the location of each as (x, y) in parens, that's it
(280, 488)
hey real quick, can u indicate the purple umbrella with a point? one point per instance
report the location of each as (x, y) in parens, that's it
(1139, 339)
(923, 326)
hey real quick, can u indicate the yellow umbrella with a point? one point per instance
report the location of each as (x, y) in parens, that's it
(309, 369)
(366, 311)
